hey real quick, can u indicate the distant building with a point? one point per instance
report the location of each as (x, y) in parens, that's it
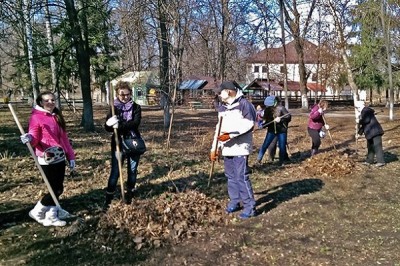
(265, 70)
(144, 89)
(198, 90)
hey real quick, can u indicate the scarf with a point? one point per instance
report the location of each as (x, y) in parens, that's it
(125, 109)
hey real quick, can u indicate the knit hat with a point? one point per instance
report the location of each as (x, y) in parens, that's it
(270, 100)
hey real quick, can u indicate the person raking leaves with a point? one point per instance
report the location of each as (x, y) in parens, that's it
(316, 123)
(373, 131)
(235, 141)
(276, 119)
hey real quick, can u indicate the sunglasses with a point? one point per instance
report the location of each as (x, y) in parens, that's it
(124, 95)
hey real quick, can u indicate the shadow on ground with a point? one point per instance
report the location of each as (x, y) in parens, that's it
(273, 197)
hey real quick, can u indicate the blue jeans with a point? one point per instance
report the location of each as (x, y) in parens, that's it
(239, 184)
(132, 166)
(282, 140)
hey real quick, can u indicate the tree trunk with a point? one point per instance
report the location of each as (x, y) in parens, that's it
(29, 44)
(386, 33)
(298, 37)
(82, 56)
(302, 73)
(283, 40)
(50, 46)
(224, 39)
(164, 64)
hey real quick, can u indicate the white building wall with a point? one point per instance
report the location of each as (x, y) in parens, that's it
(275, 69)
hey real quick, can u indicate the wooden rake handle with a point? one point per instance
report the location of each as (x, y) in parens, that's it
(46, 181)
(215, 150)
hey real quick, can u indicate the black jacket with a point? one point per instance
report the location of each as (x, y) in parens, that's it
(369, 125)
(125, 128)
(270, 113)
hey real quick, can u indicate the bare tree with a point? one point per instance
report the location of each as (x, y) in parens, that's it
(386, 20)
(26, 9)
(298, 30)
(340, 27)
(50, 47)
(283, 40)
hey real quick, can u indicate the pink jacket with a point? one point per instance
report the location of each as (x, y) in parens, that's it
(47, 133)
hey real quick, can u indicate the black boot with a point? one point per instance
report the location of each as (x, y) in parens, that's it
(109, 198)
(130, 193)
(314, 152)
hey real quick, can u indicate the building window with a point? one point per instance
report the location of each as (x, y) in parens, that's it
(264, 69)
(256, 69)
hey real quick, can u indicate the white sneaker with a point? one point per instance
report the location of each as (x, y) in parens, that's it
(38, 213)
(52, 218)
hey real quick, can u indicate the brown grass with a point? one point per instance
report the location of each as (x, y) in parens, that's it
(328, 210)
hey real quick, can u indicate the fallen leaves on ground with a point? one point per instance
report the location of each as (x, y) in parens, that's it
(328, 164)
(168, 218)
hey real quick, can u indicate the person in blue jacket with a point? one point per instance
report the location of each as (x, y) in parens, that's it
(236, 141)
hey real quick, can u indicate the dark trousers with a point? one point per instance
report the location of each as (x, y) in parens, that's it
(374, 147)
(315, 138)
(55, 174)
(239, 185)
(272, 149)
(132, 166)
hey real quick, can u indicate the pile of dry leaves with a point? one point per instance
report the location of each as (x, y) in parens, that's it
(328, 164)
(168, 218)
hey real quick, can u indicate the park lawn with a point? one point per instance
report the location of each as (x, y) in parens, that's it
(328, 210)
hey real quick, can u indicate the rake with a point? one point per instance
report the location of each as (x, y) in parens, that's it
(61, 212)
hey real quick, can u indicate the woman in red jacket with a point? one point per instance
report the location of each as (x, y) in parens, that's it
(47, 135)
(315, 124)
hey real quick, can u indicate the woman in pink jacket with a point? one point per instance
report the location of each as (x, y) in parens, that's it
(48, 137)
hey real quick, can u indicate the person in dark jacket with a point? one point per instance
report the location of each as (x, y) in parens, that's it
(315, 124)
(276, 119)
(127, 118)
(373, 131)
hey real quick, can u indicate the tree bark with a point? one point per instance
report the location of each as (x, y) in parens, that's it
(82, 56)
(50, 46)
(29, 44)
(386, 33)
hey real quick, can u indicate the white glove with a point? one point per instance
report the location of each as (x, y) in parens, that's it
(112, 121)
(25, 138)
(118, 155)
(320, 110)
(72, 164)
(327, 127)
(277, 119)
